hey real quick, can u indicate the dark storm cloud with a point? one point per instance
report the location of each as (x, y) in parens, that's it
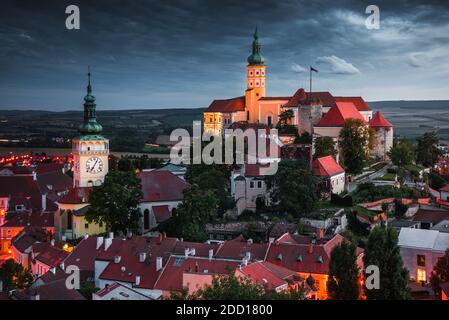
(186, 53)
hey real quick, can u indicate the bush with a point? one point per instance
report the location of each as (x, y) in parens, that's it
(341, 201)
(392, 170)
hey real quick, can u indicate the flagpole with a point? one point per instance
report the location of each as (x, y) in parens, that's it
(310, 87)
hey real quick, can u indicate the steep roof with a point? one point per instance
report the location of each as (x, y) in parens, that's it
(56, 290)
(83, 256)
(337, 115)
(238, 247)
(379, 121)
(424, 239)
(227, 105)
(161, 186)
(326, 167)
(171, 277)
(35, 219)
(21, 186)
(77, 195)
(50, 255)
(307, 258)
(445, 188)
(360, 104)
(28, 237)
(303, 97)
(266, 273)
(431, 216)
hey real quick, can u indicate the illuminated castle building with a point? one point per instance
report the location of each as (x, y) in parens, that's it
(318, 113)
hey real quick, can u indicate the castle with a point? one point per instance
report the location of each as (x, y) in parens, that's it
(318, 113)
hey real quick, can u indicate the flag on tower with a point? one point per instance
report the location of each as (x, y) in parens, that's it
(313, 69)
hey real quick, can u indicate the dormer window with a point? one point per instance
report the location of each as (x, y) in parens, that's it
(279, 257)
(299, 258)
(320, 259)
(20, 207)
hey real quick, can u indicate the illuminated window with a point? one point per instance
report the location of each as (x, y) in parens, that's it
(421, 275)
(421, 260)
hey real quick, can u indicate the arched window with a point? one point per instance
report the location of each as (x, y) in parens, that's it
(146, 219)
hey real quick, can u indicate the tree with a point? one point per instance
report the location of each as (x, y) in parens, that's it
(14, 276)
(125, 164)
(436, 181)
(324, 146)
(305, 138)
(342, 283)
(198, 208)
(293, 189)
(355, 142)
(215, 179)
(440, 273)
(427, 152)
(116, 202)
(382, 250)
(88, 288)
(232, 287)
(401, 154)
(283, 125)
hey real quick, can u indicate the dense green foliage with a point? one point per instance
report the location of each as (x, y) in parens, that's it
(382, 250)
(368, 192)
(342, 283)
(355, 142)
(402, 153)
(293, 188)
(440, 273)
(324, 146)
(116, 202)
(427, 152)
(14, 276)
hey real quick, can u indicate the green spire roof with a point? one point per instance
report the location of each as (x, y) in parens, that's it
(256, 58)
(90, 126)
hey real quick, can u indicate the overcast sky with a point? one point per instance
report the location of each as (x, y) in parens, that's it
(167, 54)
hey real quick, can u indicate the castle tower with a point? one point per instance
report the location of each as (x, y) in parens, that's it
(383, 130)
(255, 80)
(90, 150)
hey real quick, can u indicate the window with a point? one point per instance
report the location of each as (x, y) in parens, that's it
(259, 184)
(421, 260)
(251, 185)
(269, 121)
(86, 226)
(8, 233)
(421, 275)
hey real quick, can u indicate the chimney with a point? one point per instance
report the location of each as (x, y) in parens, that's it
(123, 269)
(310, 248)
(1, 286)
(158, 263)
(111, 235)
(52, 242)
(117, 259)
(321, 233)
(34, 175)
(248, 255)
(197, 267)
(211, 254)
(99, 242)
(245, 261)
(86, 236)
(142, 256)
(53, 270)
(44, 201)
(137, 280)
(160, 238)
(164, 235)
(35, 296)
(62, 265)
(107, 243)
(250, 241)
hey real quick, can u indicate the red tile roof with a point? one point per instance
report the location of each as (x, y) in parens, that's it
(445, 288)
(161, 213)
(227, 105)
(337, 115)
(83, 256)
(77, 195)
(445, 188)
(201, 249)
(326, 167)
(35, 219)
(50, 255)
(431, 216)
(274, 98)
(379, 121)
(307, 258)
(28, 236)
(360, 104)
(21, 186)
(49, 167)
(129, 251)
(56, 290)
(303, 97)
(238, 247)
(266, 273)
(172, 276)
(161, 186)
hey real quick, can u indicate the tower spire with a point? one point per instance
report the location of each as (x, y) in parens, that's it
(256, 58)
(90, 124)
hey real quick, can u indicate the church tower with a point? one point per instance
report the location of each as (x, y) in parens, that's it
(90, 150)
(255, 80)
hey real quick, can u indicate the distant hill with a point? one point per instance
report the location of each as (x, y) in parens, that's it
(404, 104)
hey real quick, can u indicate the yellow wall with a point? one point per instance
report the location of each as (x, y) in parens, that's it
(80, 230)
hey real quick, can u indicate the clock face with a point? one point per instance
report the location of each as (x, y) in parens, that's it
(94, 165)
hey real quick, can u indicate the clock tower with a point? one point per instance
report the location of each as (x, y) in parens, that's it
(90, 150)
